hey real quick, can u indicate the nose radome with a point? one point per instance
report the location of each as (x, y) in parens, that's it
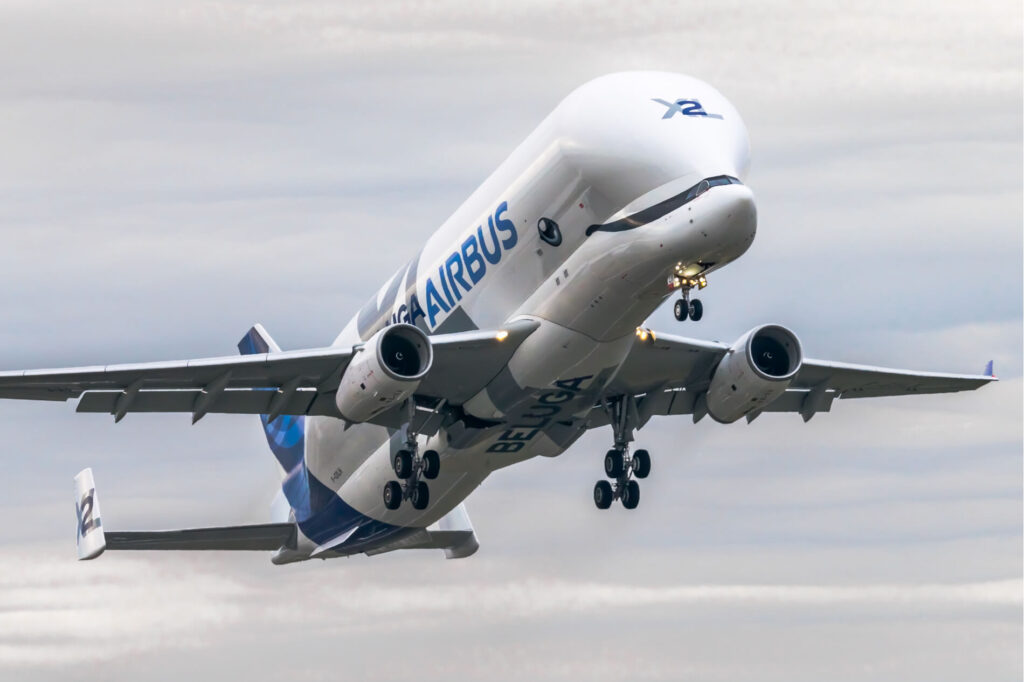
(732, 214)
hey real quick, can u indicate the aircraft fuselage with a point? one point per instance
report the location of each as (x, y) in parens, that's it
(633, 179)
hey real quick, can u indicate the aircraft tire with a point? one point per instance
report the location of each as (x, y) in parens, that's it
(420, 495)
(614, 464)
(392, 495)
(402, 464)
(631, 495)
(696, 309)
(603, 494)
(431, 464)
(681, 310)
(642, 463)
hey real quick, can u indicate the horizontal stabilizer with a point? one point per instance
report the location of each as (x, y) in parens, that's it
(453, 533)
(263, 537)
(456, 535)
(334, 542)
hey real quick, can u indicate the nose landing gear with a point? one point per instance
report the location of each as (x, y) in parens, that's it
(618, 464)
(411, 469)
(684, 307)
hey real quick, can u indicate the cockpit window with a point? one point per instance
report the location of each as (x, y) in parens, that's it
(665, 207)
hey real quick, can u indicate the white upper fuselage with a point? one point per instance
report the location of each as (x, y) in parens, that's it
(617, 146)
(609, 149)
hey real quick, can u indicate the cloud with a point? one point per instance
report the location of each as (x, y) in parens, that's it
(55, 612)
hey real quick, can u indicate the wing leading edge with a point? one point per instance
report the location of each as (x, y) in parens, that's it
(300, 382)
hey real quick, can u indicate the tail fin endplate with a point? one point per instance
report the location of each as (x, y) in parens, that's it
(89, 538)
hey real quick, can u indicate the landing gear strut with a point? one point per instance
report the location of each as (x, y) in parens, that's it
(411, 468)
(618, 464)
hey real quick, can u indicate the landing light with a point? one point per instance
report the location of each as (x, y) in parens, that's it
(692, 270)
(644, 334)
(502, 335)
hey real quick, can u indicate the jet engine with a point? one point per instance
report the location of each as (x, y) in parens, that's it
(756, 371)
(384, 372)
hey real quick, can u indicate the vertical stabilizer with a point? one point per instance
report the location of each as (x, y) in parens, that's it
(286, 434)
(90, 539)
(257, 340)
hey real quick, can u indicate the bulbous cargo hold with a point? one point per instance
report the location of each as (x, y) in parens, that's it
(758, 369)
(385, 372)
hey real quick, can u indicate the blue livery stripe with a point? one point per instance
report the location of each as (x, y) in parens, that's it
(320, 513)
(286, 435)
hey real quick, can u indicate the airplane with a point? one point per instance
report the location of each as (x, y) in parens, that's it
(518, 327)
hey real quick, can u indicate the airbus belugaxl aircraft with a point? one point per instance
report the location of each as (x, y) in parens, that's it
(514, 330)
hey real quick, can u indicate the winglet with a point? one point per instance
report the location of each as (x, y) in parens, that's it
(90, 539)
(989, 370)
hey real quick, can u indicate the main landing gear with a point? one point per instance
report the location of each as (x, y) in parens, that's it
(411, 469)
(618, 464)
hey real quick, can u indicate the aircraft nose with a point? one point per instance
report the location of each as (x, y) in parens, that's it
(732, 216)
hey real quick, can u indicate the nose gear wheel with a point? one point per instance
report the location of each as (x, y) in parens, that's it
(685, 309)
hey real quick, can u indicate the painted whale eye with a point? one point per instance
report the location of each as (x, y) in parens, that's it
(549, 231)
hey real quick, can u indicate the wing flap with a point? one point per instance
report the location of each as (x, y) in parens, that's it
(240, 401)
(681, 401)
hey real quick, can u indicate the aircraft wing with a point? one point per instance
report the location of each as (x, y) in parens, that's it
(300, 382)
(667, 374)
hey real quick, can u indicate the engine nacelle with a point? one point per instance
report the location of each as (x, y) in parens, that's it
(384, 373)
(756, 371)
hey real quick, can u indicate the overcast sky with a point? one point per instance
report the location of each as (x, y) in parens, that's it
(171, 173)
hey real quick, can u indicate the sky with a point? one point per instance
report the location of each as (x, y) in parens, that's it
(171, 173)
